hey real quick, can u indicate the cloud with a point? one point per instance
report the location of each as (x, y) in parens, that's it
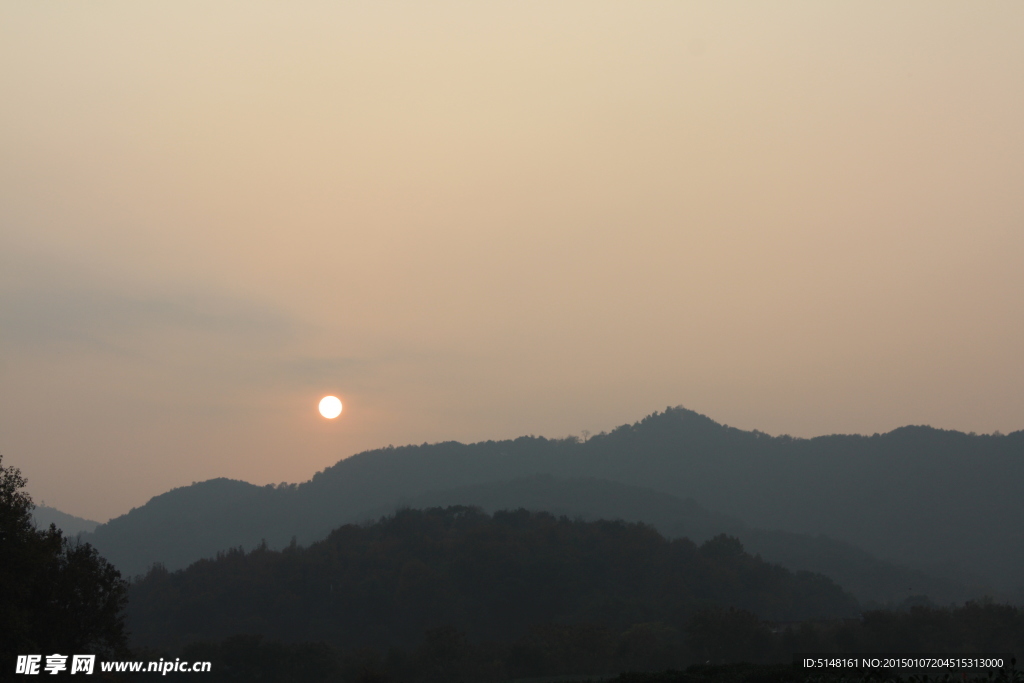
(199, 339)
(48, 308)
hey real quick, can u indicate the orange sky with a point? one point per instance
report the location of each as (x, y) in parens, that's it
(481, 220)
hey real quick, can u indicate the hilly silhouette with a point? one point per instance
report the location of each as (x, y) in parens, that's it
(43, 516)
(455, 594)
(870, 580)
(495, 577)
(191, 523)
(937, 502)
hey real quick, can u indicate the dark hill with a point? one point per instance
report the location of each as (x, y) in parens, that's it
(935, 500)
(494, 577)
(929, 498)
(186, 524)
(180, 526)
(870, 580)
(43, 516)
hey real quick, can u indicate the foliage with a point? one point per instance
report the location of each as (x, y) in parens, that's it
(741, 649)
(937, 501)
(973, 627)
(779, 673)
(495, 578)
(55, 595)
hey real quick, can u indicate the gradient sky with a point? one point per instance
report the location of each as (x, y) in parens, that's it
(477, 220)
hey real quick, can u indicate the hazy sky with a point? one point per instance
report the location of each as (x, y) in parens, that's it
(476, 220)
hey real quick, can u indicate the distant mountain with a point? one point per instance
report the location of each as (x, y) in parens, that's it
(928, 498)
(383, 584)
(44, 516)
(187, 524)
(936, 501)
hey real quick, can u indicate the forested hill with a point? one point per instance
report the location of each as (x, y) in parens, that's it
(493, 577)
(919, 496)
(184, 525)
(43, 517)
(872, 581)
(916, 495)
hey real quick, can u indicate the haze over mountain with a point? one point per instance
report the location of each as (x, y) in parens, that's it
(480, 220)
(383, 584)
(869, 579)
(485, 230)
(44, 515)
(943, 502)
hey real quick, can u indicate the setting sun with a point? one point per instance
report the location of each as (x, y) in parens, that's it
(330, 407)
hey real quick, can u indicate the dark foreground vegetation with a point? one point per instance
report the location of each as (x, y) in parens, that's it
(56, 595)
(496, 577)
(748, 673)
(457, 595)
(716, 645)
(699, 652)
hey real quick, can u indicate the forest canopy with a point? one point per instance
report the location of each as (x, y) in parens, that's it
(491, 577)
(56, 595)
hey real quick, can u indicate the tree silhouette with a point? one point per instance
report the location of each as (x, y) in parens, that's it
(56, 595)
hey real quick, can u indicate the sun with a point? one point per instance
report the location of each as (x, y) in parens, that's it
(330, 407)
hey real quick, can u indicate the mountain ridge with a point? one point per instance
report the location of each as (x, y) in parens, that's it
(44, 515)
(383, 584)
(905, 497)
